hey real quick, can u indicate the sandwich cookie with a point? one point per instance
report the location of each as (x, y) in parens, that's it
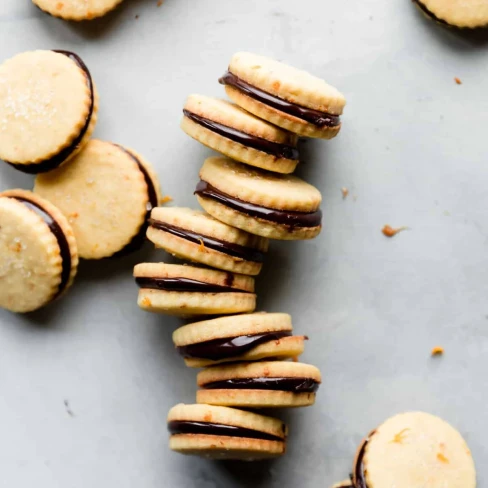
(263, 384)
(412, 450)
(247, 337)
(236, 133)
(456, 13)
(196, 236)
(186, 290)
(106, 192)
(284, 96)
(343, 484)
(262, 203)
(225, 433)
(77, 9)
(48, 109)
(38, 253)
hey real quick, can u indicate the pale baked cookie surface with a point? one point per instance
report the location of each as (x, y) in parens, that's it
(414, 449)
(232, 131)
(458, 13)
(105, 192)
(198, 237)
(284, 96)
(262, 203)
(188, 291)
(38, 253)
(48, 109)
(77, 9)
(260, 384)
(225, 433)
(246, 337)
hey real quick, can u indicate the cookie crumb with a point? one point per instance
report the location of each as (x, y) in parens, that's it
(442, 458)
(202, 247)
(345, 192)
(160, 2)
(437, 351)
(389, 231)
(458, 81)
(165, 199)
(399, 437)
(137, 16)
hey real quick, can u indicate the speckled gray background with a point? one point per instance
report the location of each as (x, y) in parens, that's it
(412, 152)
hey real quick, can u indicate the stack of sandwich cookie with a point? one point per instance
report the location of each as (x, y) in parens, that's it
(107, 192)
(267, 204)
(236, 133)
(270, 384)
(48, 109)
(411, 450)
(247, 337)
(188, 291)
(198, 237)
(38, 252)
(225, 433)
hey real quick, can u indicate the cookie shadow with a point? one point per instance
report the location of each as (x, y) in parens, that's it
(12, 178)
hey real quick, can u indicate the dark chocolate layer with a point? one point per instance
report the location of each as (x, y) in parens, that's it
(269, 147)
(58, 232)
(294, 385)
(229, 347)
(152, 201)
(427, 12)
(359, 476)
(312, 116)
(235, 250)
(185, 285)
(283, 217)
(208, 428)
(60, 157)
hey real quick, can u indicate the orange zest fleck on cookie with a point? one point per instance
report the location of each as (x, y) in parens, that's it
(437, 351)
(389, 231)
(399, 437)
(345, 192)
(146, 302)
(442, 458)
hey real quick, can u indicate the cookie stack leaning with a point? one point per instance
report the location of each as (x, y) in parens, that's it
(249, 196)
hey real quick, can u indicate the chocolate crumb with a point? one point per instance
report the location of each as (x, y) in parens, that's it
(68, 409)
(160, 2)
(137, 16)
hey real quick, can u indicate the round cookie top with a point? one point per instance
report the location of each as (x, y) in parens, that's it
(230, 115)
(228, 416)
(286, 82)
(105, 192)
(200, 222)
(45, 99)
(263, 188)
(204, 275)
(263, 369)
(417, 449)
(38, 253)
(459, 13)
(77, 9)
(231, 326)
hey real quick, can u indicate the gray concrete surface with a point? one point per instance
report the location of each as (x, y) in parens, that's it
(85, 385)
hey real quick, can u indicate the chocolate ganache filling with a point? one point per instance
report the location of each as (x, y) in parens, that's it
(283, 217)
(63, 244)
(293, 385)
(359, 477)
(185, 285)
(312, 116)
(235, 250)
(427, 12)
(152, 201)
(276, 149)
(208, 428)
(60, 157)
(229, 347)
